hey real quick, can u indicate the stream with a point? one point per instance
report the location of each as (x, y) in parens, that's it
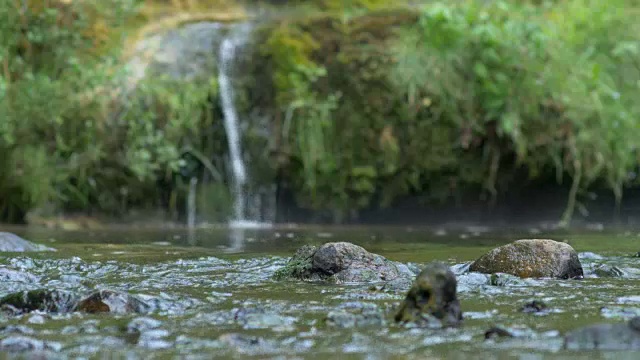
(213, 295)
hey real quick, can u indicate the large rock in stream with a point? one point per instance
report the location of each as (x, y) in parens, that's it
(532, 258)
(13, 243)
(342, 262)
(432, 300)
(621, 336)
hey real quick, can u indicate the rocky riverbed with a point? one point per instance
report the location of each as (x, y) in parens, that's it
(204, 295)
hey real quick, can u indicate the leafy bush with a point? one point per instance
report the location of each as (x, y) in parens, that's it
(66, 135)
(552, 86)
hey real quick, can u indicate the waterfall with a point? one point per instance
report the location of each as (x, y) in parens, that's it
(240, 181)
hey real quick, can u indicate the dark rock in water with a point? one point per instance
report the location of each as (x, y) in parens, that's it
(356, 315)
(534, 306)
(534, 258)
(13, 243)
(604, 270)
(432, 295)
(621, 336)
(112, 302)
(42, 300)
(341, 262)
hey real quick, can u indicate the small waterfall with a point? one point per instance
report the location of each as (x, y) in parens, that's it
(240, 181)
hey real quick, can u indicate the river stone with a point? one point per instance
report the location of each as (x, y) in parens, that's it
(432, 300)
(39, 300)
(13, 243)
(531, 258)
(340, 262)
(112, 302)
(621, 336)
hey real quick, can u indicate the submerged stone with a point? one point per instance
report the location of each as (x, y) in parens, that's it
(42, 300)
(432, 295)
(13, 243)
(112, 302)
(621, 336)
(533, 258)
(341, 262)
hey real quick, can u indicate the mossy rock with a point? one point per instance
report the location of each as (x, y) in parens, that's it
(300, 265)
(432, 300)
(531, 258)
(39, 300)
(107, 301)
(340, 262)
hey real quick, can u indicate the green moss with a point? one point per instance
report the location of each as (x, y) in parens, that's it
(299, 267)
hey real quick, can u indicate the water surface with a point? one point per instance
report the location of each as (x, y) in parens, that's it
(214, 296)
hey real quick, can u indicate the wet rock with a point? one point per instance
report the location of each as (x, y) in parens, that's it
(535, 306)
(621, 336)
(341, 262)
(604, 270)
(355, 314)
(432, 296)
(13, 243)
(38, 300)
(533, 258)
(112, 302)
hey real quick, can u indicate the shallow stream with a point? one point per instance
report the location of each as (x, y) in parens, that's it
(212, 295)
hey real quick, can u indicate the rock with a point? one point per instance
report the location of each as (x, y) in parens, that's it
(41, 300)
(518, 331)
(432, 295)
(13, 243)
(341, 262)
(621, 336)
(534, 258)
(112, 302)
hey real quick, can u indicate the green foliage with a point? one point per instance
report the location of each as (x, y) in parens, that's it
(459, 98)
(550, 85)
(67, 137)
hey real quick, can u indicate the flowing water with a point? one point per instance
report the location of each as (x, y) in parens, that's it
(213, 295)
